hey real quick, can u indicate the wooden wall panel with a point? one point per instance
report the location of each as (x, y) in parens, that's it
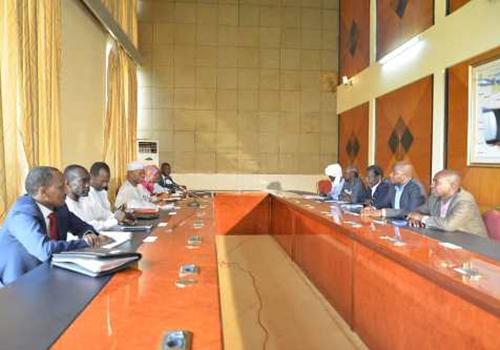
(404, 128)
(482, 182)
(400, 20)
(242, 214)
(353, 137)
(454, 5)
(354, 37)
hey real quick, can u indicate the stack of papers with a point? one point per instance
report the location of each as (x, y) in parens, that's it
(94, 262)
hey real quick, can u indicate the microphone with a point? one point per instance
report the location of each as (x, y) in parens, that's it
(195, 203)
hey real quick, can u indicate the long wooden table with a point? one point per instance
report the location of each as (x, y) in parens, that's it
(394, 297)
(138, 306)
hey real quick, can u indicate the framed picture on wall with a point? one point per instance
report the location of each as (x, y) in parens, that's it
(484, 114)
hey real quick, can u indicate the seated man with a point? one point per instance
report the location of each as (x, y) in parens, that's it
(334, 173)
(354, 190)
(98, 201)
(377, 195)
(37, 226)
(166, 180)
(405, 194)
(131, 193)
(81, 204)
(450, 207)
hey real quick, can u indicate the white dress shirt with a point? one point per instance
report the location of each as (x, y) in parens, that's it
(94, 209)
(135, 197)
(45, 212)
(374, 188)
(158, 189)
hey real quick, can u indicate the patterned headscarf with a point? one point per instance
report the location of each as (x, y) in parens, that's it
(151, 171)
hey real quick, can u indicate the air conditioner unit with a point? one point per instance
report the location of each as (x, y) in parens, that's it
(148, 152)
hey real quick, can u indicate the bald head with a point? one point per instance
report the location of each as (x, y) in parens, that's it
(351, 172)
(77, 181)
(402, 172)
(403, 168)
(452, 176)
(446, 183)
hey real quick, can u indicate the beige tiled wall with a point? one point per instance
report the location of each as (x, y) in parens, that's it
(232, 86)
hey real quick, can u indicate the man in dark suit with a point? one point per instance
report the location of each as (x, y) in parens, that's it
(37, 226)
(354, 190)
(405, 194)
(166, 180)
(377, 195)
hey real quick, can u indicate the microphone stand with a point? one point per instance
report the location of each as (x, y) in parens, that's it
(196, 201)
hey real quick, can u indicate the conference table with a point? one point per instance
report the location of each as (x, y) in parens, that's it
(395, 287)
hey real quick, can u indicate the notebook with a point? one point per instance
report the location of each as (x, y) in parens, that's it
(95, 262)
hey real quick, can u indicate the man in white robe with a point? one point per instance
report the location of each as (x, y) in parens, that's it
(81, 201)
(132, 194)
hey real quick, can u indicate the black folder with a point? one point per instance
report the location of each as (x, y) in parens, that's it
(95, 262)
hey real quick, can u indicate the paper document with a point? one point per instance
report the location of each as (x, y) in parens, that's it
(167, 207)
(150, 239)
(118, 237)
(314, 197)
(449, 245)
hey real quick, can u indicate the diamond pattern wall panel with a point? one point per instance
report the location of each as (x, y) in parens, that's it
(454, 5)
(400, 20)
(354, 36)
(353, 137)
(404, 128)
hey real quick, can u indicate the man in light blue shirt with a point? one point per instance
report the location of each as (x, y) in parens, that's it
(399, 191)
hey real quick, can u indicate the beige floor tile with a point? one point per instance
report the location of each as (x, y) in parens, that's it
(268, 303)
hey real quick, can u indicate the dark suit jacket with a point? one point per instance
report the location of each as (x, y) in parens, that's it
(24, 242)
(353, 191)
(380, 198)
(412, 197)
(167, 183)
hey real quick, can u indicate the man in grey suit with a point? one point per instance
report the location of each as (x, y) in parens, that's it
(450, 207)
(406, 194)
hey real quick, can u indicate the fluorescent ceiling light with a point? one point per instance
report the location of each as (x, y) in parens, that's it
(400, 50)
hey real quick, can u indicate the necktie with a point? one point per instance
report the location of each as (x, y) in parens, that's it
(52, 226)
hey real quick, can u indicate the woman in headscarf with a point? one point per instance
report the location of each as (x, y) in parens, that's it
(151, 176)
(334, 173)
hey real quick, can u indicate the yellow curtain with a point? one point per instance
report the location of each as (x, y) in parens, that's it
(120, 128)
(10, 162)
(49, 63)
(29, 85)
(39, 55)
(125, 13)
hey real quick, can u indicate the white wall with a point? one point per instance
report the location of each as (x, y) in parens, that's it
(82, 85)
(241, 182)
